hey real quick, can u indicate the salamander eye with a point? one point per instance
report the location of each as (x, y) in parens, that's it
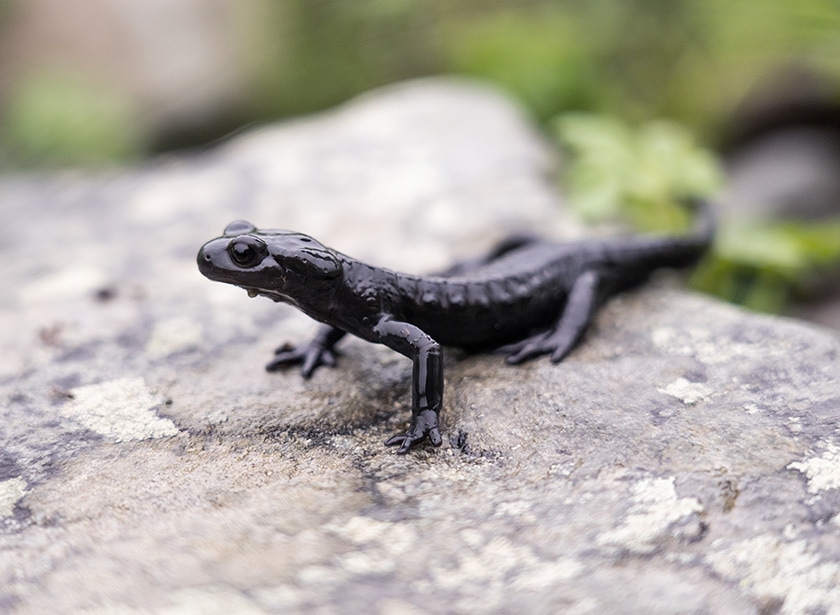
(247, 251)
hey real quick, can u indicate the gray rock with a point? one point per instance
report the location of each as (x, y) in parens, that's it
(685, 458)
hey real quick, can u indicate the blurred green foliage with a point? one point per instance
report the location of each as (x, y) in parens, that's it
(688, 60)
(644, 176)
(540, 56)
(54, 120)
(306, 55)
(765, 265)
(640, 175)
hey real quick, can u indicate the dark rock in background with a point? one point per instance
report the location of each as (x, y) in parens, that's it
(685, 458)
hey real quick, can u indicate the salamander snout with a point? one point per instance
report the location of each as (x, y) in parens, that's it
(212, 258)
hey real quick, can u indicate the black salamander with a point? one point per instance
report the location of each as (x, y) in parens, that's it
(527, 298)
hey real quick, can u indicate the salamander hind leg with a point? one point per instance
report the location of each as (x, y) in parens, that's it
(559, 341)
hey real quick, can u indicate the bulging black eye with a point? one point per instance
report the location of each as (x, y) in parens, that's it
(247, 251)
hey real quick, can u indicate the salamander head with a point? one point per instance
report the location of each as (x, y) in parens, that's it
(282, 265)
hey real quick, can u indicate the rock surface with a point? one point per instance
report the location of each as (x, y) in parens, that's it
(685, 458)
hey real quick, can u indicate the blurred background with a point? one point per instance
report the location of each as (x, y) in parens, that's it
(696, 97)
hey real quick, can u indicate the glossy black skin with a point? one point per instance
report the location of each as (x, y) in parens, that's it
(527, 298)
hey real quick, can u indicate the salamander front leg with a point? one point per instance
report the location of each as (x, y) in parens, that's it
(319, 351)
(426, 381)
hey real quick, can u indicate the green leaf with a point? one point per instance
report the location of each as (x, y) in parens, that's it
(640, 175)
(762, 265)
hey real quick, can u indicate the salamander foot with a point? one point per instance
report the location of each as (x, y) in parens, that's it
(423, 425)
(536, 346)
(310, 357)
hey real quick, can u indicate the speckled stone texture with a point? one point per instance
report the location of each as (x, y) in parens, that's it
(684, 459)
